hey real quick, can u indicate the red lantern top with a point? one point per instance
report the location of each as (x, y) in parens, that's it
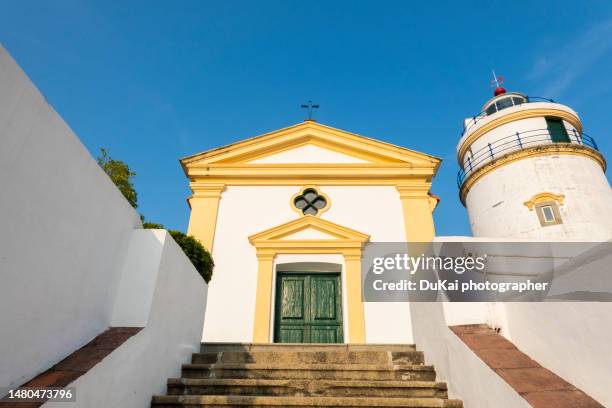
(499, 91)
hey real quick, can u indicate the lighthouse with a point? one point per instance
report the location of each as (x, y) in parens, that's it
(528, 170)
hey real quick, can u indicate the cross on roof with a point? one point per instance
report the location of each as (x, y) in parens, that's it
(310, 106)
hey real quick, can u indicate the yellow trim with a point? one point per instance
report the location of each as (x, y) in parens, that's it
(319, 179)
(204, 207)
(417, 208)
(542, 150)
(433, 203)
(301, 192)
(514, 116)
(387, 165)
(315, 141)
(238, 173)
(356, 318)
(272, 242)
(543, 197)
(309, 133)
(263, 302)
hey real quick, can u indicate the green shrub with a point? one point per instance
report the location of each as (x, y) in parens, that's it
(195, 251)
(193, 248)
(152, 225)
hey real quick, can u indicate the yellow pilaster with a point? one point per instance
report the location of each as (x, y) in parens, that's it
(418, 217)
(263, 299)
(204, 207)
(356, 320)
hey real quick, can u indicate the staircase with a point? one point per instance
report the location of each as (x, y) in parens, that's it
(306, 375)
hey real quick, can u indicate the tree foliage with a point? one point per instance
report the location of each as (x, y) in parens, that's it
(120, 174)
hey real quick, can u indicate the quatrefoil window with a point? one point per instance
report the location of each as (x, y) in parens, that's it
(310, 201)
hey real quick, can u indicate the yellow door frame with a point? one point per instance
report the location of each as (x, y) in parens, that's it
(272, 242)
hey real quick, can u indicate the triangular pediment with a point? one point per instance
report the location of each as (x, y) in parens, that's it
(334, 145)
(309, 153)
(308, 228)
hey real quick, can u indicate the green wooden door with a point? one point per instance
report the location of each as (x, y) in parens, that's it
(558, 133)
(308, 308)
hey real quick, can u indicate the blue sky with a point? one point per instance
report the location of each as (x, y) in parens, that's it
(154, 81)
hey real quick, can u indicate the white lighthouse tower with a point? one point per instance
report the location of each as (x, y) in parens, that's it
(529, 171)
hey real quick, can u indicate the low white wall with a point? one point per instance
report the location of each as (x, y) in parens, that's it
(571, 339)
(468, 377)
(172, 300)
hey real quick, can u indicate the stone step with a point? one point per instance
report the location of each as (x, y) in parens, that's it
(306, 387)
(290, 347)
(218, 401)
(310, 357)
(416, 372)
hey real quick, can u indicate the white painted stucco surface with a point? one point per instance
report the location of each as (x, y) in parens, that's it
(570, 338)
(308, 154)
(74, 261)
(246, 210)
(467, 376)
(64, 236)
(172, 300)
(496, 207)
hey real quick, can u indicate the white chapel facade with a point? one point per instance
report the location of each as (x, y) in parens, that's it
(286, 215)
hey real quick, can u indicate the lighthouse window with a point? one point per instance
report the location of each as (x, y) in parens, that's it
(556, 128)
(548, 213)
(504, 103)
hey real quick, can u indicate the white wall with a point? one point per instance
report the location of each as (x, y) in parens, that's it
(166, 296)
(308, 154)
(65, 230)
(246, 210)
(571, 339)
(496, 207)
(74, 261)
(468, 377)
